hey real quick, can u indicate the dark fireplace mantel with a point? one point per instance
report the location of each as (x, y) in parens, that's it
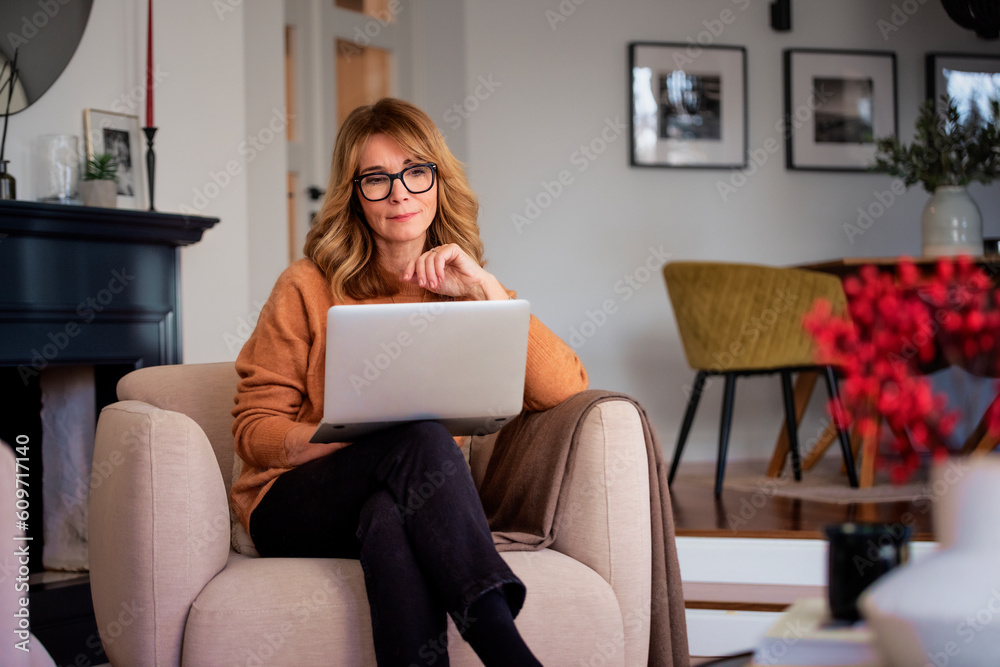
(81, 285)
(108, 224)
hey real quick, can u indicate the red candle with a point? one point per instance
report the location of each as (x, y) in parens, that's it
(149, 69)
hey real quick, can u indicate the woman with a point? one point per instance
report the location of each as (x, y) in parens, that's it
(398, 225)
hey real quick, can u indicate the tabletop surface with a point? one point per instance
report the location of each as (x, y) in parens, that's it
(741, 660)
(851, 264)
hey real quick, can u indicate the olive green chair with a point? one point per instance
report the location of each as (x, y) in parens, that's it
(742, 319)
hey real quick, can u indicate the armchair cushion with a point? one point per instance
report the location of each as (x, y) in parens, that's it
(281, 611)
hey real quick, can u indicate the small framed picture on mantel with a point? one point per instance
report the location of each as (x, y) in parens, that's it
(118, 134)
(837, 103)
(687, 105)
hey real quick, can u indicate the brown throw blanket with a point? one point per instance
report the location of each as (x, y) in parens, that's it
(522, 493)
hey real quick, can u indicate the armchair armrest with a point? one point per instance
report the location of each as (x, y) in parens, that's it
(604, 521)
(602, 517)
(159, 529)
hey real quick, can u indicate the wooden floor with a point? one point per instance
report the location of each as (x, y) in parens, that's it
(697, 513)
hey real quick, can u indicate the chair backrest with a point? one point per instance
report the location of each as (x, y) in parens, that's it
(734, 317)
(203, 392)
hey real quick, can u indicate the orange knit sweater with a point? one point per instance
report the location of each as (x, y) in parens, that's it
(282, 368)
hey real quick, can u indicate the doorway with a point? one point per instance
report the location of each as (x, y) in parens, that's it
(339, 54)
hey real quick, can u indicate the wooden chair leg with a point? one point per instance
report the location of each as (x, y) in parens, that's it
(971, 445)
(980, 441)
(804, 384)
(987, 444)
(855, 447)
(780, 454)
(849, 445)
(868, 448)
(822, 444)
(855, 441)
(845, 444)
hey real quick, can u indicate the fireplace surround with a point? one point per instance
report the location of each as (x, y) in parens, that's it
(81, 286)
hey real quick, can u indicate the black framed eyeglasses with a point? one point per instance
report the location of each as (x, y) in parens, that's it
(416, 178)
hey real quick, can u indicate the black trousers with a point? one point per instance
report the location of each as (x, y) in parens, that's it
(403, 502)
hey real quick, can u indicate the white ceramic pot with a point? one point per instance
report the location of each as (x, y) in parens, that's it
(944, 610)
(99, 193)
(951, 223)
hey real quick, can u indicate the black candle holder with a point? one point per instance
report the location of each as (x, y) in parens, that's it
(150, 162)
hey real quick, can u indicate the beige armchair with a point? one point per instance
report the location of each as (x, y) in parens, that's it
(174, 581)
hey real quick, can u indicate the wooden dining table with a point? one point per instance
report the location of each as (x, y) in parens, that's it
(978, 442)
(848, 266)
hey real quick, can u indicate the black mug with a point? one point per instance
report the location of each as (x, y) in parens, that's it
(860, 553)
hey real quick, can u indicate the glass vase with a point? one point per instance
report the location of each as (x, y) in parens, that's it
(57, 175)
(8, 186)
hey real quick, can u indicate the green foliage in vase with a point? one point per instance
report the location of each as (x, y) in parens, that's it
(101, 167)
(946, 149)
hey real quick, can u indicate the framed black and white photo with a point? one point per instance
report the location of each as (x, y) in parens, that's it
(118, 134)
(837, 103)
(687, 105)
(967, 78)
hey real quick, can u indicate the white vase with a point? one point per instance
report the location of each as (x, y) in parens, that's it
(951, 223)
(945, 608)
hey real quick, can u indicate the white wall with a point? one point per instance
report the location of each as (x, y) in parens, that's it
(201, 110)
(561, 83)
(531, 93)
(267, 163)
(439, 48)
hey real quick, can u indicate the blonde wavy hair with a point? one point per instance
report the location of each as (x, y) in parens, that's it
(341, 242)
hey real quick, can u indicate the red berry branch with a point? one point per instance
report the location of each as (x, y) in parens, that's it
(896, 329)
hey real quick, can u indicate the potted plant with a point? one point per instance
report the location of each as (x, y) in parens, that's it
(100, 181)
(947, 154)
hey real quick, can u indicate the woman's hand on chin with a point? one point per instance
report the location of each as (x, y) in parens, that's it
(448, 271)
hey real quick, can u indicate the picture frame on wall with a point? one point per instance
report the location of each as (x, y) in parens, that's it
(837, 103)
(687, 105)
(118, 134)
(967, 78)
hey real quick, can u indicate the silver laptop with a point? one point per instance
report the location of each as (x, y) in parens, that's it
(460, 363)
